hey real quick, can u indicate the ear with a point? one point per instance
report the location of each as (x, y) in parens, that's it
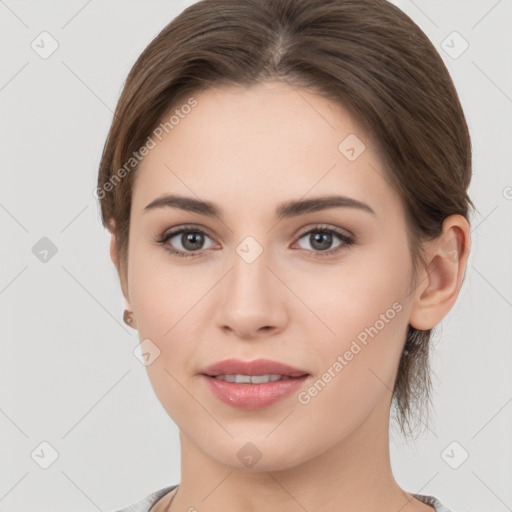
(439, 287)
(114, 256)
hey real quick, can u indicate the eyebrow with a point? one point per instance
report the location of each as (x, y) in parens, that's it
(285, 210)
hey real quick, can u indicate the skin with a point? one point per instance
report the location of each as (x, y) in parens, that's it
(248, 150)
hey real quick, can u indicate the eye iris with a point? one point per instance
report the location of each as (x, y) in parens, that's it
(327, 240)
(192, 237)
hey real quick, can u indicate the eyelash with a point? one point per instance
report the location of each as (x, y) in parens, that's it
(347, 240)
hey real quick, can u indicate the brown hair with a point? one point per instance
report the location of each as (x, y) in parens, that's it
(367, 55)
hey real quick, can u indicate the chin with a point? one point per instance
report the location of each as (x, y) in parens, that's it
(258, 455)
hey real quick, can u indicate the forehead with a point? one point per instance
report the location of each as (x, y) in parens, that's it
(254, 145)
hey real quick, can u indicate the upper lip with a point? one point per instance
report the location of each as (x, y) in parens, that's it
(256, 367)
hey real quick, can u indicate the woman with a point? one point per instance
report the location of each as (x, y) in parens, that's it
(285, 182)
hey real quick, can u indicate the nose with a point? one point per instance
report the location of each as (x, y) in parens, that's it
(251, 301)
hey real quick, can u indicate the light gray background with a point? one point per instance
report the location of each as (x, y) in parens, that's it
(68, 374)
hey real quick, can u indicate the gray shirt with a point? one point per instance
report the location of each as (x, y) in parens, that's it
(145, 504)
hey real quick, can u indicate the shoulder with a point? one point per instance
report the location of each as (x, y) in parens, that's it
(145, 504)
(431, 500)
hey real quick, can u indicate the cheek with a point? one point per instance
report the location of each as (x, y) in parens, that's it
(168, 306)
(158, 290)
(365, 310)
(162, 298)
(366, 289)
(367, 307)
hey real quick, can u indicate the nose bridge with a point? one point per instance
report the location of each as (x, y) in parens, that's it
(251, 252)
(250, 276)
(251, 299)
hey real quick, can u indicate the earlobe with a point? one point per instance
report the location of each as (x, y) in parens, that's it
(439, 286)
(128, 318)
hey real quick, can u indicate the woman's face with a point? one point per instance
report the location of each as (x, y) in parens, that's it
(260, 285)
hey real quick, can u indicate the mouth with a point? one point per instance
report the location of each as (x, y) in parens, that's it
(254, 384)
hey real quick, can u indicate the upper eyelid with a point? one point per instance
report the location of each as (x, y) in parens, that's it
(326, 227)
(188, 227)
(191, 227)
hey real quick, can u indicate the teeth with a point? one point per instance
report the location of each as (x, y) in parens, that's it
(251, 379)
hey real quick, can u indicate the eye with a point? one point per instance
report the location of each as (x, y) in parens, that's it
(320, 240)
(191, 240)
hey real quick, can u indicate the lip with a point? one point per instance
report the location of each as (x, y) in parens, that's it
(256, 367)
(252, 396)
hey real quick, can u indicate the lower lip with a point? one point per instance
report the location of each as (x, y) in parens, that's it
(253, 396)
